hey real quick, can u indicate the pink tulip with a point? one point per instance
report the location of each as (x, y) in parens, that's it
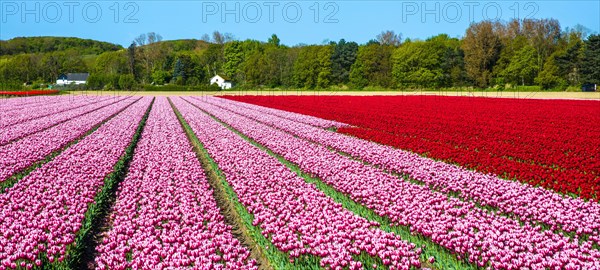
(527, 202)
(166, 198)
(47, 206)
(324, 228)
(449, 221)
(24, 152)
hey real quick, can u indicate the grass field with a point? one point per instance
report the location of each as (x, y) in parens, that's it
(535, 95)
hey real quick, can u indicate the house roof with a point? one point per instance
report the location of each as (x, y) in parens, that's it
(77, 76)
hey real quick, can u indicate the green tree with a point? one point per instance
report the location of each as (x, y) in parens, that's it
(126, 82)
(131, 59)
(274, 40)
(363, 65)
(198, 70)
(543, 35)
(590, 71)
(418, 64)
(550, 77)
(523, 67)
(257, 68)
(453, 62)
(112, 63)
(436, 62)
(276, 61)
(342, 59)
(96, 81)
(22, 68)
(324, 56)
(212, 59)
(285, 65)
(512, 40)
(482, 46)
(72, 61)
(179, 70)
(313, 66)
(235, 54)
(306, 68)
(160, 77)
(234, 57)
(52, 66)
(147, 54)
(373, 66)
(569, 60)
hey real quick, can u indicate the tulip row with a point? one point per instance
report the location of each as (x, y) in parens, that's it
(301, 118)
(24, 101)
(19, 116)
(528, 203)
(165, 215)
(21, 154)
(563, 180)
(481, 237)
(43, 212)
(16, 104)
(297, 217)
(20, 130)
(516, 139)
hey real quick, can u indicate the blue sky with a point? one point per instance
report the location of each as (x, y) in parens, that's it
(311, 22)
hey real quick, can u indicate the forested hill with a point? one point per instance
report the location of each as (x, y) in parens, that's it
(499, 55)
(41, 59)
(184, 44)
(53, 44)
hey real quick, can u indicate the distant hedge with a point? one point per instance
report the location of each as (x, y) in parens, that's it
(181, 88)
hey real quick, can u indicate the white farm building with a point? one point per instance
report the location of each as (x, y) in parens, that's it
(72, 78)
(221, 81)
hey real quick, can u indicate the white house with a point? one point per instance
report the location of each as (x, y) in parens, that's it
(75, 78)
(221, 81)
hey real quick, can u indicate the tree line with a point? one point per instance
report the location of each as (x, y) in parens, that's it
(491, 54)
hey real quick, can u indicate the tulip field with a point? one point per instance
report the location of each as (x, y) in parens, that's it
(554, 144)
(290, 182)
